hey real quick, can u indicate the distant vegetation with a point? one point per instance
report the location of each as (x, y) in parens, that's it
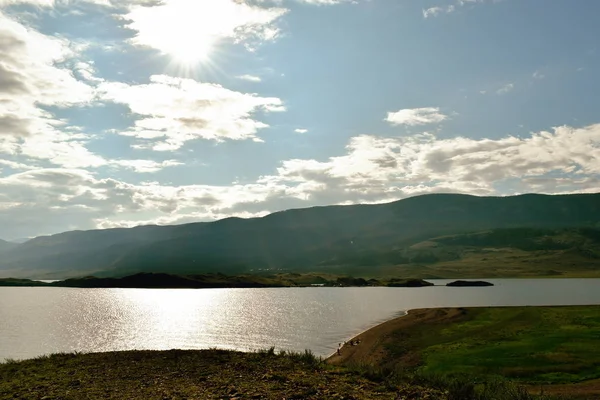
(450, 236)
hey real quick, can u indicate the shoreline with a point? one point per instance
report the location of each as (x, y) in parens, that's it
(375, 337)
(366, 330)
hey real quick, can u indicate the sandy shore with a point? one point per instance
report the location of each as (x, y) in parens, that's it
(371, 348)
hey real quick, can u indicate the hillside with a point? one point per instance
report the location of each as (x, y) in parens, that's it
(416, 232)
(4, 245)
(504, 252)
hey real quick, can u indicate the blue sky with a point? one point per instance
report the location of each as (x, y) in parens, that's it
(119, 113)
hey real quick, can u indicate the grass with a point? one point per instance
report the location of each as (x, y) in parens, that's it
(417, 385)
(181, 374)
(533, 345)
(217, 374)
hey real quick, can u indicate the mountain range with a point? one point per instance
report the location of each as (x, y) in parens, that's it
(437, 229)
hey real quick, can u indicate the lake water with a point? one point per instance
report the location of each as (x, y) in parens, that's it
(36, 321)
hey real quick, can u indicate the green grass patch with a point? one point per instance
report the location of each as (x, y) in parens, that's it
(545, 345)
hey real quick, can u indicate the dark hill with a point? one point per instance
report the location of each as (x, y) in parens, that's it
(144, 280)
(304, 239)
(469, 284)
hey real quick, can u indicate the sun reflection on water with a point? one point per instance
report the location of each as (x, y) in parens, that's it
(38, 321)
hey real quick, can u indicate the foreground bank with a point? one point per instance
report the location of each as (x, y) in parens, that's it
(216, 374)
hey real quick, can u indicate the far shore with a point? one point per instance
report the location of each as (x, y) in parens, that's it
(217, 280)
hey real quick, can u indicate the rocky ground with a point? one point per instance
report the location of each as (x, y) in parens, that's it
(176, 374)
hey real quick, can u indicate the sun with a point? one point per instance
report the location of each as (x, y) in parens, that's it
(190, 51)
(188, 31)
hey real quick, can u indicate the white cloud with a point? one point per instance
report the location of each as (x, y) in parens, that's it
(250, 78)
(60, 148)
(509, 87)
(174, 111)
(146, 166)
(301, 131)
(416, 116)
(15, 165)
(447, 9)
(327, 2)
(67, 3)
(32, 79)
(377, 169)
(41, 3)
(29, 75)
(434, 11)
(538, 75)
(52, 200)
(87, 72)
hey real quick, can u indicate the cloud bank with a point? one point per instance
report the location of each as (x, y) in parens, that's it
(374, 169)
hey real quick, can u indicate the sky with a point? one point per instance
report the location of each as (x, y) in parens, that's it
(117, 113)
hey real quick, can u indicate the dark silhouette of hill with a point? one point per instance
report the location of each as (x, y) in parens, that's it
(145, 280)
(300, 240)
(21, 282)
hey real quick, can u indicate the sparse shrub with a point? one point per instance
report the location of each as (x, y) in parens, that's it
(307, 357)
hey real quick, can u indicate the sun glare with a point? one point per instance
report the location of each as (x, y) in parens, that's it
(190, 50)
(188, 31)
(191, 32)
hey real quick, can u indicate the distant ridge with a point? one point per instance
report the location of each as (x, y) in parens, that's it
(312, 239)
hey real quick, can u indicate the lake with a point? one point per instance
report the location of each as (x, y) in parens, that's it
(37, 321)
